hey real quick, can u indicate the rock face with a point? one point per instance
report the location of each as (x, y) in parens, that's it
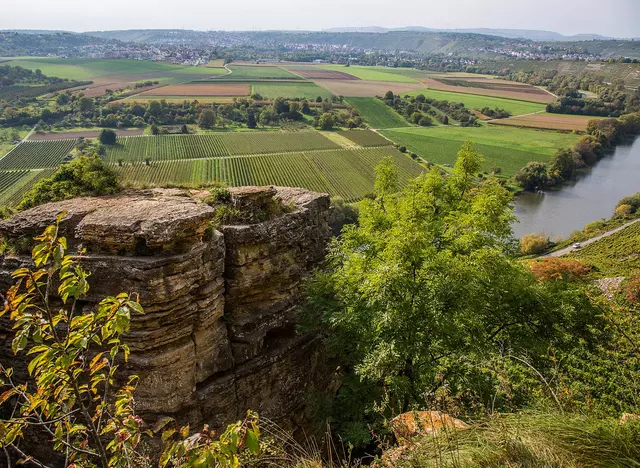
(218, 336)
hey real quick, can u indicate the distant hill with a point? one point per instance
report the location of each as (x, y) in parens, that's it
(465, 43)
(531, 34)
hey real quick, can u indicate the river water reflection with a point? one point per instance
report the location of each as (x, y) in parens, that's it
(592, 197)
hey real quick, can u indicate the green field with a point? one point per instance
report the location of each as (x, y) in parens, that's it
(365, 138)
(347, 173)
(37, 154)
(376, 113)
(473, 101)
(87, 69)
(272, 90)
(615, 255)
(212, 145)
(249, 72)
(369, 73)
(507, 148)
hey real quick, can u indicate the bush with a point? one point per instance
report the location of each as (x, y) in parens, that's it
(85, 176)
(633, 201)
(624, 210)
(533, 244)
(107, 137)
(402, 149)
(533, 175)
(556, 268)
(632, 290)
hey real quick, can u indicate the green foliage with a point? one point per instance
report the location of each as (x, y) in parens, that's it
(67, 373)
(424, 298)
(75, 398)
(84, 176)
(107, 137)
(533, 175)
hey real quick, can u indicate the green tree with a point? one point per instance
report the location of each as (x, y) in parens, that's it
(424, 290)
(325, 121)
(251, 120)
(62, 99)
(107, 137)
(533, 175)
(206, 119)
(155, 130)
(85, 104)
(84, 176)
(564, 162)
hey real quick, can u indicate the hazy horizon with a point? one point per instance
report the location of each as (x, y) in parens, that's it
(615, 18)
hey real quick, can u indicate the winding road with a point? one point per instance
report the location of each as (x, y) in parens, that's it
(566, 250)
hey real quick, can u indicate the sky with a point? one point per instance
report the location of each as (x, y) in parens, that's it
(616, 18)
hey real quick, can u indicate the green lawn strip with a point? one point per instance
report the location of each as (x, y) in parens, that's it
(508, 150)
(474, 101)
(247, 71)
(614, 255)
(369, 73)
(376, 113)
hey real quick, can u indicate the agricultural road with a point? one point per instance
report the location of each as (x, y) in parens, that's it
(565, 251)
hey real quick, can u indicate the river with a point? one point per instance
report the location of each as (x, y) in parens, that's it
(592, 196)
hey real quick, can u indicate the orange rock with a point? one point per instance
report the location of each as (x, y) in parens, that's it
(420, 423)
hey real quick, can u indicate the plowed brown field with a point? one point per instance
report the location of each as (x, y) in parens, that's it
(495, 88)
(201, 89)
(362, 88)
(547, 121)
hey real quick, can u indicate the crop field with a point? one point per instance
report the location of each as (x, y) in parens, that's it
(490, 87)
(369, 73)
(217, 63)
(365, 138)
(201, 89)
(547, 121)
(505, 147)
(86, 69)
(315, 73)
(37, 154)
(347, 173)
(211, 145)
(288, 89)
(615, 255)
(473, 101)
(259, 72)
(12, 194)
(361, 88)
(376, 113)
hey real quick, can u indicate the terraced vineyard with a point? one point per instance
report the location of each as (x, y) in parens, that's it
(172, 147)
(347, 173)
(37, 154)
(615, 255)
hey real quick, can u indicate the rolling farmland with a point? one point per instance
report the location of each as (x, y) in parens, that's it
(175, 147)
(368, 73)
(347, 173)
(377, 114)
(260, 72)
(547, 121)
(288, 89)
(473, 101)
(365, 138)
(505, 147)
(37, 154)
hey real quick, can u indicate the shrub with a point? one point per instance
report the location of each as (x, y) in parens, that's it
(633, 200)
(624, 210)
(85, 176)
(556, 268)
(632, 290)
(533, 244)
(402, 149)
(533, 175)
(107, 137)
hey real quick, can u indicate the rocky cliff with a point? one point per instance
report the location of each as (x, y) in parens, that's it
(218, 336)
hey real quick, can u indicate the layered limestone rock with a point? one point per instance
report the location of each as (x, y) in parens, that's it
(218, 335)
